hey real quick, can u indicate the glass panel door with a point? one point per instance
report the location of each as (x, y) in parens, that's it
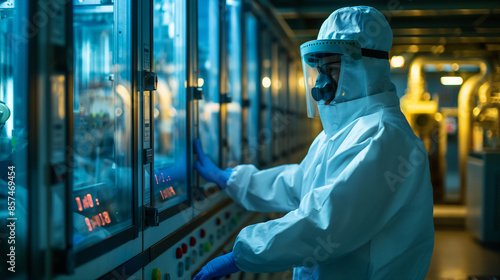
(102, 110)
(291, 107)
(275, 111)
(208, 61)
(253, 86)
(283, 120)
(170, 163)
(233, 26)
(266, 102)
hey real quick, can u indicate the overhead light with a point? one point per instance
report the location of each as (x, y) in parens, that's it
(413, 49)
(397, 61)
(266, 82)
(451, 80)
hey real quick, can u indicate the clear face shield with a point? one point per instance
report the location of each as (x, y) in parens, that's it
(321, 63)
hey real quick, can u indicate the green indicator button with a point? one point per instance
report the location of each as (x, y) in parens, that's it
(156, 275)
(207, 246)
(235, 219)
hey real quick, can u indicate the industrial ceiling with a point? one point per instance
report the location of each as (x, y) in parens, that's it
(434, 26)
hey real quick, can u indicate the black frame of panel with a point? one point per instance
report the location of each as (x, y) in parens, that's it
(35, 266)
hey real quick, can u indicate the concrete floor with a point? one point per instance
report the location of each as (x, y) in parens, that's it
(457, 256)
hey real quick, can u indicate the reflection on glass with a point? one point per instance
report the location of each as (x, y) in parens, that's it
(291, 107)
(253, 83)
(170, 167)
(102, 110)
(276, 113)
(13, 136)
(208, 60)
(233, 14)
(283, 121)
(265, 133)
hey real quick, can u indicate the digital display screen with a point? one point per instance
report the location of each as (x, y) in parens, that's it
(166, 185)
(97, 206)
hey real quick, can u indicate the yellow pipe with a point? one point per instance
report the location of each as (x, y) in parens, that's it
(466, 100)
(467, 94)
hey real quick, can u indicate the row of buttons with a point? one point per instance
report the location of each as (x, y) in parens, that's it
(202, 248)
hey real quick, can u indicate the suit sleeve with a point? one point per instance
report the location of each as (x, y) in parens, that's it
(335, 219)
(271, 190)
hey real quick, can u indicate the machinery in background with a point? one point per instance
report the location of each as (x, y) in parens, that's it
(486, 119)
(483, 167)
(422, 115)
(445, 131)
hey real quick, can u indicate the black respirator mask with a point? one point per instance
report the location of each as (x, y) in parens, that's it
(324, 88)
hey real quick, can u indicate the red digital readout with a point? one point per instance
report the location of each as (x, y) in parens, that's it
(167, 192)
(79, 203)
(98, 220)
(85, 202)
(162, 178)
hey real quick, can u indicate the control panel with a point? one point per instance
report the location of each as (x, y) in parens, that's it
(199, 246)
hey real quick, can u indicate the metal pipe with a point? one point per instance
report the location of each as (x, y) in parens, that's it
(466, 100)
(467, 94)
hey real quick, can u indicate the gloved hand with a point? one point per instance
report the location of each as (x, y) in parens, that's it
(217, 268)
(208, 169)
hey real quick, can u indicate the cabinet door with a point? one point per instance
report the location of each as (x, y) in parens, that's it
(102, 155)
(170, 103)
(209, 65)
(252, 88)
(266, 101)
(234, 59)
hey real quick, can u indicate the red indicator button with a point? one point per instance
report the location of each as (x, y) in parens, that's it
(178, 253)
(228, 215)
(192, 241)
(218, 221)
(202, 233)
(184, 248)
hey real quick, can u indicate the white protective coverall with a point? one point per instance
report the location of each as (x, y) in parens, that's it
(360, 203)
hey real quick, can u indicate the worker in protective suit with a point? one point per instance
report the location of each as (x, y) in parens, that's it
(360, 203)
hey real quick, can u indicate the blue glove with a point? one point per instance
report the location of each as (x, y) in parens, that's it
(217, 268)
(208, 169)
